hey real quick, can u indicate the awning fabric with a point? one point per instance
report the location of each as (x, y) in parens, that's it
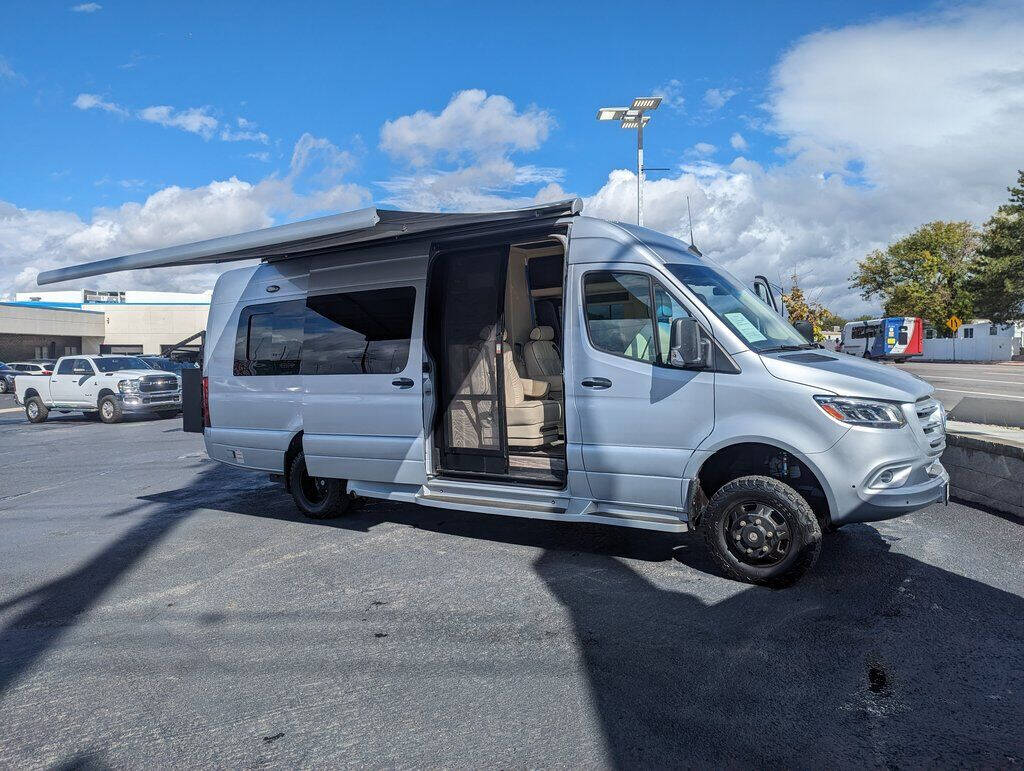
(363, 226)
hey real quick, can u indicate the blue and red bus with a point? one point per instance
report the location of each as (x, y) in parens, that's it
(896, 338)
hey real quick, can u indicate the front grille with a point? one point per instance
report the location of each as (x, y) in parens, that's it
(930, 421)
(152, 384)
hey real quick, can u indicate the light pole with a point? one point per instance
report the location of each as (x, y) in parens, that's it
(633, 117)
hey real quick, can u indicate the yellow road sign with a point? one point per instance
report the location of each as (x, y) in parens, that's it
(954, 323)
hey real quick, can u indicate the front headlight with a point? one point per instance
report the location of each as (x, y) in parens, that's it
(862, 412)
(128, 386)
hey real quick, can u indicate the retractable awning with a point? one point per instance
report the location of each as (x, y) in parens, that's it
(363, 226)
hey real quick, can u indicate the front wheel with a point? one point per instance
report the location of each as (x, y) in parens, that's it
(35, 410)
(317, 497)
(3, 386)
(761, 531)
(110, 410)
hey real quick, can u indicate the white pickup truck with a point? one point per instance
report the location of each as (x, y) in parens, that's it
(103, 386)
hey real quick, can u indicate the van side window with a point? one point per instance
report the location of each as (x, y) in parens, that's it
(666, 308)
(358, 333)
(618, 312)
(269, 339)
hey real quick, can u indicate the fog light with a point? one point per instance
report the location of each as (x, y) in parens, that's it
(894, 476)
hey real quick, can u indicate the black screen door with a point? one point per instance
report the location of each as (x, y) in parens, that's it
(470, 299)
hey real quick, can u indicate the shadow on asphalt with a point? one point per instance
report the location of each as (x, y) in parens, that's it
(875, 658)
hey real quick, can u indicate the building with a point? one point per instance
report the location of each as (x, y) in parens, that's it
(979, 340)
(28, 332)
(131, 322)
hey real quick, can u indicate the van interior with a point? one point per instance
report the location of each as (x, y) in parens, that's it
(494, 335)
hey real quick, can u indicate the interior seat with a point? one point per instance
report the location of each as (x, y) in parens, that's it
(542, 359)
(531, 420)
(547, 315)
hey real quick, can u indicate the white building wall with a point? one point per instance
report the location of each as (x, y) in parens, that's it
(57, 322)
(974, 342)
(152, 325)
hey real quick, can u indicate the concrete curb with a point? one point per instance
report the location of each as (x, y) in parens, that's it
(987, 472)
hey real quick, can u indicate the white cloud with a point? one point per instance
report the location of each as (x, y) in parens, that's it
(702, 148)
(247, 131)
(472, 125)
(263, 156)
(460, 158)
(95, 102)
(86, 8)
(884, 130)
(671, 94)
(195, 120)
(715, 98)
(7, 72)
(738, 142)
(35, 240)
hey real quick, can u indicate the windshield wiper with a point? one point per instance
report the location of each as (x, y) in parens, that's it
(777, 348)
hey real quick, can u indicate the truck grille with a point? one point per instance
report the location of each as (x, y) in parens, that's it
(930, 420)
(151, 384)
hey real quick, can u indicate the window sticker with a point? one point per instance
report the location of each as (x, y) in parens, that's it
(750, 333)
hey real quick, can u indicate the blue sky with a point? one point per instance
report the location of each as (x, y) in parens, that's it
(105, 105)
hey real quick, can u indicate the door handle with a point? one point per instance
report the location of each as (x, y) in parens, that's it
(402, 382)
(597, 382)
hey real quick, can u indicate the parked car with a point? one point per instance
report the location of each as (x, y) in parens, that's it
(106, 386)
(540, 363)
(34, 366)
(7, 374)
(168, 365)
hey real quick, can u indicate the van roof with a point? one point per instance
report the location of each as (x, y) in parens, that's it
(363, 226)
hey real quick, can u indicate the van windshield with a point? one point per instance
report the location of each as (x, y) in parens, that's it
(740, 309)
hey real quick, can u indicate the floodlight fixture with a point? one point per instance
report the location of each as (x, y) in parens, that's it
(633, 117)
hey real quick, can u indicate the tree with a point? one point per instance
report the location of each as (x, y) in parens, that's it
(800, 308)
(925, 274)
(998, 280)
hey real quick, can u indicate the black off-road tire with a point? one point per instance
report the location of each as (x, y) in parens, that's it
(315, 497)
(798, 553)
(3, 386)
(110, 410)
(35, 410)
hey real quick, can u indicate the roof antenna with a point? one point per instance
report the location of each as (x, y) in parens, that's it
(690, 218)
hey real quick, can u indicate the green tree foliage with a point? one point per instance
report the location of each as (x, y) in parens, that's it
(925, 274)
(998, 280)
(800, 308)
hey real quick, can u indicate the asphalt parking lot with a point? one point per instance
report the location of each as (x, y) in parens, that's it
(157, 609)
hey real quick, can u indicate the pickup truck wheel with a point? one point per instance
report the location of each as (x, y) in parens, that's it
(316, 497)
(3, 386)
(761, 531)
(110, 410)
(35, 410)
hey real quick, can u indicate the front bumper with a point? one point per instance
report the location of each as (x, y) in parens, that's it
(156, 402)
(855, 461)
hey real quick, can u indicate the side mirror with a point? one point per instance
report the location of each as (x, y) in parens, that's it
(806, 329)
(687, 348)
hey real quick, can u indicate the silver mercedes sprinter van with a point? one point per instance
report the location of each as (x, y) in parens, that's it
(540, 363)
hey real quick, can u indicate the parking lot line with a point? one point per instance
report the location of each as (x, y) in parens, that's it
(977, 393)
(11, 409)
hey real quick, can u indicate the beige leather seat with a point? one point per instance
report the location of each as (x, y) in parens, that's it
(531, 420)
(542, 359)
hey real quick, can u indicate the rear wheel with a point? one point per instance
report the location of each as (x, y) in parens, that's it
(3, 386)
(317, 497)
(110, 410)
(35, 410)
(761, 531)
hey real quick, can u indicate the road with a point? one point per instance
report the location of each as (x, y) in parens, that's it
(953, 382)
(158, 610)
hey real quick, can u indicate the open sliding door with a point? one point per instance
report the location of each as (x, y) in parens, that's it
(468, 298)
